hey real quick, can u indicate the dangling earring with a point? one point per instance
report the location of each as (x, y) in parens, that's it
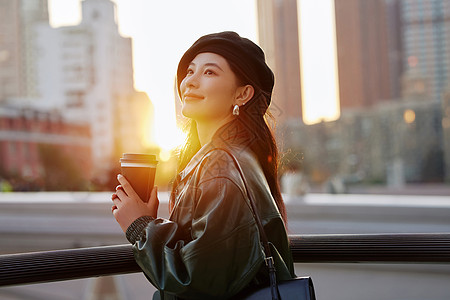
(236, 110)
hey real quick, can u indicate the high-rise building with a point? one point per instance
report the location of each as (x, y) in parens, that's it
(18, 19)
(10, 81)
(362, 49)
(363, 53)
(278, 36)
(395, 53)
(86, 72)
(425, 36)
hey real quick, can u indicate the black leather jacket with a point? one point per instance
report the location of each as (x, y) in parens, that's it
(210, 246)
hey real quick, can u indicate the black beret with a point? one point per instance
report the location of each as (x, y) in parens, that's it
(242, 54)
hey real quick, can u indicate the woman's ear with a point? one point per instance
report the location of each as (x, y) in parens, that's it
(244, 94)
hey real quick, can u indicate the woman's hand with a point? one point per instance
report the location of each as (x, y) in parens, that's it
(127, 206)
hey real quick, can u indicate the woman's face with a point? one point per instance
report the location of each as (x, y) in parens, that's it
(209, 90)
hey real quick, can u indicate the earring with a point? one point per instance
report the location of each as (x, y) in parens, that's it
(236, 110)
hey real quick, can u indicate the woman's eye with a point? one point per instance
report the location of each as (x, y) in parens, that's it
(209, 72)
(189, 72)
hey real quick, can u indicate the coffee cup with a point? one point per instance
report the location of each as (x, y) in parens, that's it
(139, 170)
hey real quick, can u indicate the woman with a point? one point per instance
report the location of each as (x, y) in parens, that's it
(210, 246)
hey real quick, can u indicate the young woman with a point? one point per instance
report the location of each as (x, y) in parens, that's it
(210, 245)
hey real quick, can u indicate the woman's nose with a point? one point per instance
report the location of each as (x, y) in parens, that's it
(191, 80)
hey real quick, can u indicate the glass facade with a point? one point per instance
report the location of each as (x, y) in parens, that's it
(425, 27)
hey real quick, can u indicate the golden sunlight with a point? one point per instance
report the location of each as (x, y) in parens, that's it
(318, 61)
(168, 136)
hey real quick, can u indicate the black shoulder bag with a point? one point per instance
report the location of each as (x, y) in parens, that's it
(300, 288)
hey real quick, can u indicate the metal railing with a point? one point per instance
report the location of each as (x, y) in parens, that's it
(79, 263)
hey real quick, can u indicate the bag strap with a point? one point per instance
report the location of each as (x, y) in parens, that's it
(262, 234)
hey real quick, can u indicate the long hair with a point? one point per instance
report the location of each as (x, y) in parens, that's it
(254, 118)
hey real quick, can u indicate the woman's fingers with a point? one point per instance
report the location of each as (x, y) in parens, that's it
(113, 208)
(116, 200)
(117, 197)
(126, 187)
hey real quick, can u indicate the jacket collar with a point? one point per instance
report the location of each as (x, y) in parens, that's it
(195, 160)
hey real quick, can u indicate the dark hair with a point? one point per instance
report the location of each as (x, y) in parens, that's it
(253, 120)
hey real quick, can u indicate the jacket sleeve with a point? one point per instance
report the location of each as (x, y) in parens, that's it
(222, 255)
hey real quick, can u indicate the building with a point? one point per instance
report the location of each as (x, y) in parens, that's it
(366, 50)
(278, 36)
(86, 72)
(426, 42)
(132, 125)
(393, 58)
(394, 143)
(39, 149)
(18, 19)
(394, 39)
(363, 56)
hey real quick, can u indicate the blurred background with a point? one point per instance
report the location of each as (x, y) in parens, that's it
(361, 104)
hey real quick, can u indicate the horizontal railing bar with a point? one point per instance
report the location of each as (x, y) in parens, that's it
(66, 264)
(79, 263)
(382, 248)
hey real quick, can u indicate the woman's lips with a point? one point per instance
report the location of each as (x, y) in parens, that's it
(192, 96)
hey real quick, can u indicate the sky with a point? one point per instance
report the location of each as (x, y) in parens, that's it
(318, 55)
(163, 30)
